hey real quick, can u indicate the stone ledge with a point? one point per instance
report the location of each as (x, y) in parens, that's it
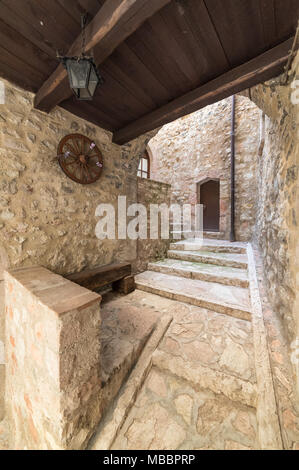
(52, 290)
(267, 415)
(147, 181)
(111, 425)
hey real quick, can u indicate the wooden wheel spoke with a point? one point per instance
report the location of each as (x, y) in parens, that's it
(71, 148)
(85, 173)
(68, 162)
(88, 172)
(82, 177)
(77, 146)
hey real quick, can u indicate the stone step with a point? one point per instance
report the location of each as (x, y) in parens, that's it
(232, 260)
(202, 271)
(229, 300)
(216, 246)
(214, 235)
(180, 235)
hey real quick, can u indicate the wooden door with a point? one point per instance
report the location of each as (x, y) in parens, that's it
(210, 198)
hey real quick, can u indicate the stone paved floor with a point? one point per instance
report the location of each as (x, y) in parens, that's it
(171, 414)
(174, 413)
(214, 340)
(196, 334)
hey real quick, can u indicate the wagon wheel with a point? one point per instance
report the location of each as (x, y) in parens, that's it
(80, 158)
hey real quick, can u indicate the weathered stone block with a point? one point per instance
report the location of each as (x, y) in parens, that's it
(53, 386)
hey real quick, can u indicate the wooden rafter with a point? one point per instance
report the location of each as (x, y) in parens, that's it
(261, 68)
(115, 21)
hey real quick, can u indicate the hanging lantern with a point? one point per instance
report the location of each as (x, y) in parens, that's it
(83, 76)
(82, 71)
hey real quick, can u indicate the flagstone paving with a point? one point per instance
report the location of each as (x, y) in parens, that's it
(172, 414)
(201, 390)
(196, 335)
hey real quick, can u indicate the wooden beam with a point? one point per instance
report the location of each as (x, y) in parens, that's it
(261, 68)
(115, 21)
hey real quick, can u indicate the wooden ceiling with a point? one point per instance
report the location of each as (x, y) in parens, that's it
(160, 59)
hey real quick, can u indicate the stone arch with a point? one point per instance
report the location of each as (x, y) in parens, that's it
(136, 148)
(208, 178)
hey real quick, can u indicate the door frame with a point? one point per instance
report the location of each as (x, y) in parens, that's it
(199, 184)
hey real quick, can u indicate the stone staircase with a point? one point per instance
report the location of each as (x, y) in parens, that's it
(212, 275)
(203, 380)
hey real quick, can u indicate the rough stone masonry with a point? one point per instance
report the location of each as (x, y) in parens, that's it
(53, 379)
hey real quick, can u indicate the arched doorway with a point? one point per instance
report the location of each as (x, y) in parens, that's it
(209, 196)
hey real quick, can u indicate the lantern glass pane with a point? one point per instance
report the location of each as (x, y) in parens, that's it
(78, 72)
(77, 92)
(93, 81)
(84, 94)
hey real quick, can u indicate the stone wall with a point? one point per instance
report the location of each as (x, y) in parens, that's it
(277, 213)
(46, 218)
(198, 147)
(151, 192)
(247, 137)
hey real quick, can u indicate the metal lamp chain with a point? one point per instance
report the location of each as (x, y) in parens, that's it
(83, 22)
